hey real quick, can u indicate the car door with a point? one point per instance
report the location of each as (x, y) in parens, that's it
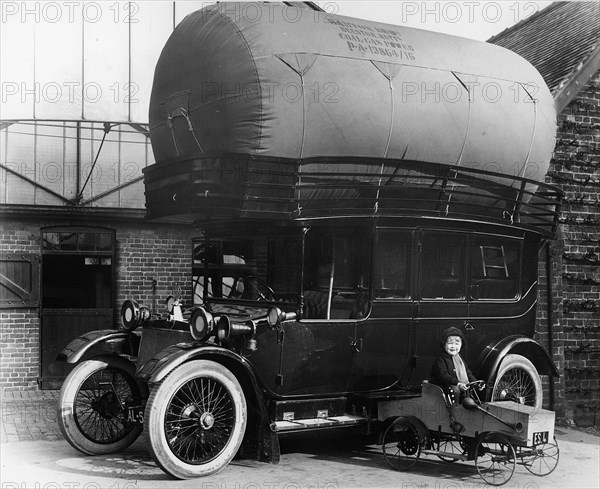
(499, 305)
(441, 294)
(384, 340)
(318, 350)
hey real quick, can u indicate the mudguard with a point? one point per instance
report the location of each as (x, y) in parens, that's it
(114, 341)
(263, 442)
(493, 355)
(157, 368)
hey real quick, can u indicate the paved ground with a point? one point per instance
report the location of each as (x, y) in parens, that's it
(29, 416)
(34, 454)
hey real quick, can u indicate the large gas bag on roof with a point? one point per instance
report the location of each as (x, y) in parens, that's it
(270, 79)
(263, 110)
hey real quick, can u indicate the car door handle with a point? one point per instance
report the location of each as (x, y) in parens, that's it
(468, 326)
(357, 345)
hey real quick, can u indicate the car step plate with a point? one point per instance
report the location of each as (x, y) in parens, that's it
(316, 423)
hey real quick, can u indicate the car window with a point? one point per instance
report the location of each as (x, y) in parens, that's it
(392, 264)
(495, 265)
(337, 269)
(442, 265)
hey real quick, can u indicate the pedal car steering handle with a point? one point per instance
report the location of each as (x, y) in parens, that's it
(469, 403)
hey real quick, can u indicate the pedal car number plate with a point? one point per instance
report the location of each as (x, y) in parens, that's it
(540, 437)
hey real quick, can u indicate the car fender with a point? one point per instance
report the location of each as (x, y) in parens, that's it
(110, 340)
(493, 355)
(264, 443)
(169, 358)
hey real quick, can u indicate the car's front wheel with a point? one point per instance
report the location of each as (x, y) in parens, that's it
(196, 418)
(93, 406)
(518, 381)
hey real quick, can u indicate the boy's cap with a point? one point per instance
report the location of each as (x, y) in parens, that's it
(452, 331)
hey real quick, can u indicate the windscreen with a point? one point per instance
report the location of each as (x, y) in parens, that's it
(247, 268)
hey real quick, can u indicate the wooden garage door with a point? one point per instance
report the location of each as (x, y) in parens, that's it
(77, 292)
(19, 280)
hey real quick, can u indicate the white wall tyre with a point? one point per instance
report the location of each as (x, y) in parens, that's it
(90, 406)
(518, 381)
(195, 419)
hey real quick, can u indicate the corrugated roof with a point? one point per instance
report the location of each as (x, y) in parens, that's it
(556, 40)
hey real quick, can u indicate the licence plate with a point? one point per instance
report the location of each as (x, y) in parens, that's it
(540, 437)
(134, 415)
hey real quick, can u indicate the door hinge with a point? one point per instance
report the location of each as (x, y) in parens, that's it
(279, 379)
(280, 335)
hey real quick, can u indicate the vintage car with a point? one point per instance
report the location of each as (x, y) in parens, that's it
(355, 191)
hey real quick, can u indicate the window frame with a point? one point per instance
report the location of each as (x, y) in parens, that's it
(520, 242)
(410, 266)
(336, 232)
(469, 238)
(464, 266)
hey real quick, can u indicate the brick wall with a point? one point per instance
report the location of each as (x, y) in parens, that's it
(576, 169)
(19, 348)
(144, 252)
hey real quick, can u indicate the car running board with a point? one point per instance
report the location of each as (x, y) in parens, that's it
(318, 423)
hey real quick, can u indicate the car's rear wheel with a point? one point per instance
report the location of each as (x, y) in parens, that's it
(196, 418)
(518, 381)
(93, 402)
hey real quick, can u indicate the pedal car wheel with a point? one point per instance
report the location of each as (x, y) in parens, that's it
(196, 419)
(451, 446)
(402, 444)
(543, 460)
(91, 413)
(495, 458)
(518, 381)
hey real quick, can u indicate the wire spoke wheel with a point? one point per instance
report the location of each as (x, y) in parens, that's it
(542, 459)
(199, 420)
(454, 447)
(518, 381)
(196, 419)
(402, 444)
(93, 406)
(495, 458)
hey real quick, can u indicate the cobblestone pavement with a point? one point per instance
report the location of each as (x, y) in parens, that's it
(35, 454)
(29, 416)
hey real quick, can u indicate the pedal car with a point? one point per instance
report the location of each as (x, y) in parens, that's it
(495, 435)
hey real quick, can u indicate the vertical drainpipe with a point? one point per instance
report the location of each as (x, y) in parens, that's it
(78, 160)
(549, 316)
